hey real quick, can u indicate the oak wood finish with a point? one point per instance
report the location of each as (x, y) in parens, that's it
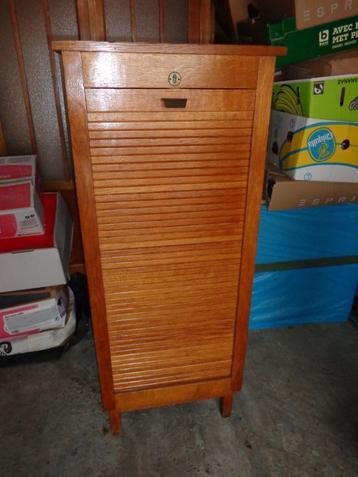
(169, 203)
(200, 21)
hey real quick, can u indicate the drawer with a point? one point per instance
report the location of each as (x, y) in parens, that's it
(124, 70)
(145, 100)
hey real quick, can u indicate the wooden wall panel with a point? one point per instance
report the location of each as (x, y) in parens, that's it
(91, 19)
(200, 21)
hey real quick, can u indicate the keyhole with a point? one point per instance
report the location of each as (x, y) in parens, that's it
(174, 78)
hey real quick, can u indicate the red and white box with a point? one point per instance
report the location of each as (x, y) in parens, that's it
(41, 341)
(39, 260)
(21, 211)
(18, 167)
(33, 316)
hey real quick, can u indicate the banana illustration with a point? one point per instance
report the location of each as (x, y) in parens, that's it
(288, 100)
(326, 143)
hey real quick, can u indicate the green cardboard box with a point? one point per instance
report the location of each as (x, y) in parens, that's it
(330, 98)
(313, 42)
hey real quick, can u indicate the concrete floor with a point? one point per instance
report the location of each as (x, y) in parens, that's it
(296, 416)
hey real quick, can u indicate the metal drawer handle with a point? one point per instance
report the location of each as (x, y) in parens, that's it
(174, 102)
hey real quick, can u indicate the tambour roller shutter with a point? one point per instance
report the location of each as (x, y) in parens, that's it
(169, 156)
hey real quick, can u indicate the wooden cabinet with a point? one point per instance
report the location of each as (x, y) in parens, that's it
(169, 150)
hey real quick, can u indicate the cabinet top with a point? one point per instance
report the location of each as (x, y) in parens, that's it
(170, 48)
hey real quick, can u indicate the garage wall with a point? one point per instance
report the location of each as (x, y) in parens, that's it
(32, 107)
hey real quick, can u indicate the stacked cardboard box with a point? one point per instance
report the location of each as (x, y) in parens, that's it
(307, 265)
(311, 28)
(36, 305)
(314, 128)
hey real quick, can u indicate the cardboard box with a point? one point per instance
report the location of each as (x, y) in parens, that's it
(18, 167)
(316, 12)
(40, 260)
(341, 63)
(276, 10)
(34, 315)
(313, 42)
(282, 192)
(21, 211)
(331, 98)
(43, 340)
(313, 149)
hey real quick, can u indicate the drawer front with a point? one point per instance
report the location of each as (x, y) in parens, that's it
(183, 100)
(110, 70)
(170, 193)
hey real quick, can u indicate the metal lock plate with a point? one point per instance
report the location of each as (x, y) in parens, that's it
(174, 78)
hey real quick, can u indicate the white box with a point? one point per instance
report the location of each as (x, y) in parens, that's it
(21, 211)
(43, 340)
(34, 315)
(42, 260)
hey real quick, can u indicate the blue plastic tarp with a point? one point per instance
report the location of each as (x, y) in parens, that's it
(310, 233)
(307, 295)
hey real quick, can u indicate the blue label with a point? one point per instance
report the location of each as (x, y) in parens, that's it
(321, 144)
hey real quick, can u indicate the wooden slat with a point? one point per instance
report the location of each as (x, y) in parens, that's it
(170, 117)
(91, 19)
(117, 100)
(169, 181)
(112, 169)
(206, 21)
(111, 154)
(130, 243)
(118, 129)
(121, 212)
(177, 393)
(169, 188)
(177, 198)
(3, 148)
(22, 74)
(129, 290)
(169, 48)
(194, 20)
(188, 155)
(160, 141)
(110, 70)
(102, 136)
(193, 172)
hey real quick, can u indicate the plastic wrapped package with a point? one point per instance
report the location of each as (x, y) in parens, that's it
(309, 233)
(306, 295)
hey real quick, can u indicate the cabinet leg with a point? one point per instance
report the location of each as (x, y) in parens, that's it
(226, 405)
(115, 421)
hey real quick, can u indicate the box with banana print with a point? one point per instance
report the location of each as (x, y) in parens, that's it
(314, 129)
(314, 149)
(330, 97)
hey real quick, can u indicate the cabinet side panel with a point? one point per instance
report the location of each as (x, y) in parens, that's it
(252, 213)
(81, 156)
